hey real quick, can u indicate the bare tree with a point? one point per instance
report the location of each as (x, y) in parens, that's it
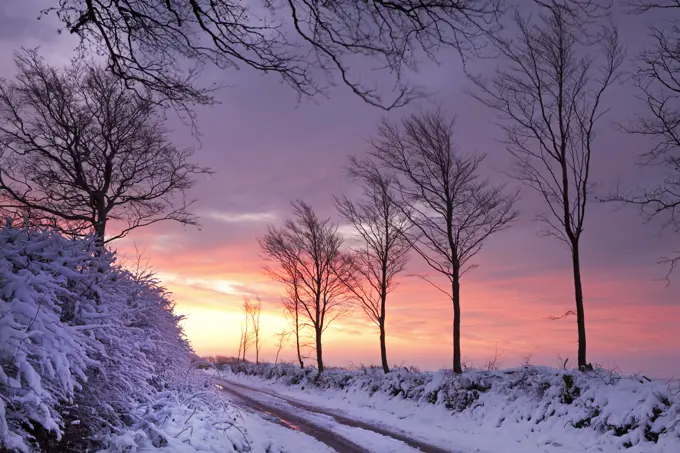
(253, 310)
(282, 338)
(306, 250)
(242, 342)
(384, 247)
(658, 79)
(549, 95)
(151, 42)
(240, 345)
(292, 307)
(78, 149)
(451, 209)
(493, 363)
(248, 334)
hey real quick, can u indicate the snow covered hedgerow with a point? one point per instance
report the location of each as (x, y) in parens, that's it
(625, 411)
(180, 422)
(83, 342)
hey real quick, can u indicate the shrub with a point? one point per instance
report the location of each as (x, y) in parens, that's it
(82, 342)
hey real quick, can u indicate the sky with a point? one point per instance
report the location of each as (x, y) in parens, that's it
(267, 148)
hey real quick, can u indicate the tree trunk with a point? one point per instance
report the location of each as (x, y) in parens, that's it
(319, 354)
(100, 225)
(457, 368)
(383, 347)
(297, 335)
(257, 345)
(580, 315)
(383, 312)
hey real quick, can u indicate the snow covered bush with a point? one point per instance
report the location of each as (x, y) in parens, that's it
(182, 422)
(626, 411)
(84, 343)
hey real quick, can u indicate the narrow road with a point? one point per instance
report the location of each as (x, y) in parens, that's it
(252, 398)
(292, 421)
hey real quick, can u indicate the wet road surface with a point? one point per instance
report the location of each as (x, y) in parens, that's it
(336, 442)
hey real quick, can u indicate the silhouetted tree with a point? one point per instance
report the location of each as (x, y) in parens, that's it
(451, 209)
(291, 306)
(245, 340)
(549, 95)
(162, 44)
(306, 250)
(77, 149)
(383, 252)
(253, 310)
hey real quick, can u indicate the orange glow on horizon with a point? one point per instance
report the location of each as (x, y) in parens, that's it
(507, 314)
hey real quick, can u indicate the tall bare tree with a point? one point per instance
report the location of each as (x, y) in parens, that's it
(253, 310)
(306, 250)
(384, 247)
(658, 79)
(247, 334)
(152, 43)
(452, 210)
(78, 149)
(549, 93)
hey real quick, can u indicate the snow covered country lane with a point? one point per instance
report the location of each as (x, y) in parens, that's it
(333, 430)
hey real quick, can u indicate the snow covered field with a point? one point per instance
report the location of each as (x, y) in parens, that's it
(531, 409)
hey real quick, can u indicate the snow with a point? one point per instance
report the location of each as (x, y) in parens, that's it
(528, 409)
(172, 425)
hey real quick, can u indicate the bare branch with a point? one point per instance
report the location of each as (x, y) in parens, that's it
(643, 6)
(565, 315)
(657, 78)
(162, 45)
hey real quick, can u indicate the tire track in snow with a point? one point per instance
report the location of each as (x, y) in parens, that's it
(336, 442)
(341, 419)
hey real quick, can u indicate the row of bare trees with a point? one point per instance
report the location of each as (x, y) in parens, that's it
(419, 193)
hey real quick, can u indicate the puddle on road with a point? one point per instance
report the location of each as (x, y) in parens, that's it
(283, 421)
(290, 425)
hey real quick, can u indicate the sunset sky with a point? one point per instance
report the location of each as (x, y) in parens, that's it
(268, 148)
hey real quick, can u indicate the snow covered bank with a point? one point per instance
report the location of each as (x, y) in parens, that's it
(88, 350)
(598, 411)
